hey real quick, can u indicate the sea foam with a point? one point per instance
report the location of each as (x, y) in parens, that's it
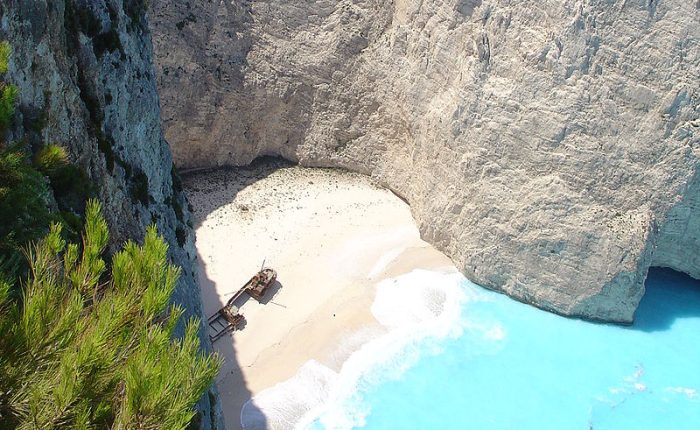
(458, 356)
(413, 307)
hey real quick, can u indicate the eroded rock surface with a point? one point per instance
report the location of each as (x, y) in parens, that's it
(86, 82)
(550, 148)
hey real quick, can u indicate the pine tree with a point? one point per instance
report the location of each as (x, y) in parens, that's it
(8, 93)
(24, 214)
(81, 348)
(84, 350)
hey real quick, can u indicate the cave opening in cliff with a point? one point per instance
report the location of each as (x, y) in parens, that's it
(670, 297)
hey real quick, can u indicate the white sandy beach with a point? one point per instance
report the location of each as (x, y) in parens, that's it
(330, 235)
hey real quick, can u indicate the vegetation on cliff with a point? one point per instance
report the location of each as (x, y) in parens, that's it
(85, 344)
(85, 350)
(24, 215)
(35, 190)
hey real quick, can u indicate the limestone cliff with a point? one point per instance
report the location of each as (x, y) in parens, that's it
(86, 80)
(550, 148)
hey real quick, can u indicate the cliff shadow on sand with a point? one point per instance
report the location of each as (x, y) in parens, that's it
(222, 184)
(231, 384)
(208, 191)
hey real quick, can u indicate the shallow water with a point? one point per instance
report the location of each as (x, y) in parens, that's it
(499, 364)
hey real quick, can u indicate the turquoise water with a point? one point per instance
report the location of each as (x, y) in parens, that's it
(511, 366)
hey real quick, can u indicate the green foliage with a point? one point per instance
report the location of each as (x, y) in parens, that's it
(5, 52)
(86, 350)
(24, 196)
(8, 93)
(81, 348)
(8, 97)
(24, 213)
(70, 184)
(50, 158)
(24, 191)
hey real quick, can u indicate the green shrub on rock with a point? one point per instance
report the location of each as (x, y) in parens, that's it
(24, 213)
(85, 349)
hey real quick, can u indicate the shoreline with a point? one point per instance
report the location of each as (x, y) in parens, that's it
(331, 235)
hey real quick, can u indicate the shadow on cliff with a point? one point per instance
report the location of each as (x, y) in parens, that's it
(209, 190)
(670, 296)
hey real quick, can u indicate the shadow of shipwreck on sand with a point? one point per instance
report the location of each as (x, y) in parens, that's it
(669, 296)
(216, 188)
(269, 296)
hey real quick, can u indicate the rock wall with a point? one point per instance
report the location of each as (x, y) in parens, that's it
(549, 147)
(85, 75)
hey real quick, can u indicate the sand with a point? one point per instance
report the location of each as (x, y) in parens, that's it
(331, 236)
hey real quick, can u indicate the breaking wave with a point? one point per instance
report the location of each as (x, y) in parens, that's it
(456, 356)
(413, 308)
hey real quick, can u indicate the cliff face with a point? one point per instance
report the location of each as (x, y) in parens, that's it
(86, 80)
(550, 148)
